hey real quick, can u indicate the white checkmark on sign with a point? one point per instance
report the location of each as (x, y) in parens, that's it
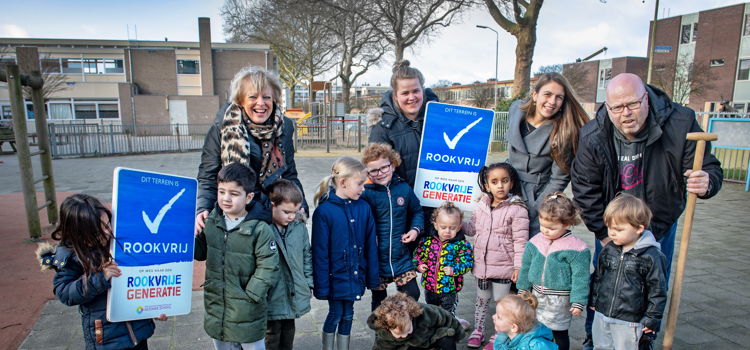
(153, 226)
(452, 142)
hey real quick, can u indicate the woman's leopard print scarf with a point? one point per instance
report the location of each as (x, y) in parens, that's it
(234, 140)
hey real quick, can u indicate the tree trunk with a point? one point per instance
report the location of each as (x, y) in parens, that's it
(345, 93)
(525, 42)
(292, 94)
(398, 51)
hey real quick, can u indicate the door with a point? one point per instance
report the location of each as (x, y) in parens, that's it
(178, 116)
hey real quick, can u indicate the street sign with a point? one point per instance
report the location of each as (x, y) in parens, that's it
(454, 147)
(153, 217)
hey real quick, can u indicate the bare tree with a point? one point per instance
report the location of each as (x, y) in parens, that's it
(481, 96)
(683, 78)
(295, 30)
(519, 18)
(54, 81)
(359, 44)
(403, 23)
(552, 68)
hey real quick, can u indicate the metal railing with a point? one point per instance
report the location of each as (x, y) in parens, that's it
(79, 140)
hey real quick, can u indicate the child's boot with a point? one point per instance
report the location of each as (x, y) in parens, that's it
(475, 339)
(328, 340)
(342, 342)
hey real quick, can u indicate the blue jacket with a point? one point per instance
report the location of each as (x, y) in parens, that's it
(539, 338)
(344, 250)
(396, 210)
(92, 304)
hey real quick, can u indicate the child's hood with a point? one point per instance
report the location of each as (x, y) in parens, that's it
(258, 209)
(52, 257)
(459, 236)
(540, 331)
(646, 240)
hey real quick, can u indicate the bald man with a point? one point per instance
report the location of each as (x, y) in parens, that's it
(636, 144)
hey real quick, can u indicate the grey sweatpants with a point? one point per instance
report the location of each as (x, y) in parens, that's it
(615, 336)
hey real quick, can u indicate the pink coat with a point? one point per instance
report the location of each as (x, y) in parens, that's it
(501, 235)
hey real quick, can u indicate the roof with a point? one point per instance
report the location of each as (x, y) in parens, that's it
(95, 44)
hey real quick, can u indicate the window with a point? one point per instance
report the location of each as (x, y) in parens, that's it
(59, 111)
(50, 65)
(685, 34)
(743, 73)
(695, 32)
(85, 111)
(746, 31)
(717, 62)
(187, 67)
(112, 66)
(739, 107)
(108, 110)
(89, 66)
(605, 75)
(71, 65)
(5, 112)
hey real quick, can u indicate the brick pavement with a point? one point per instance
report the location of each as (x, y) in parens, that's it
(715, 301)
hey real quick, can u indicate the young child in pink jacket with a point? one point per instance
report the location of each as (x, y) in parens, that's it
(501, 224)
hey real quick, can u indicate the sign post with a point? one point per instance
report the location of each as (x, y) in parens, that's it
(153, 218)
(455, 140)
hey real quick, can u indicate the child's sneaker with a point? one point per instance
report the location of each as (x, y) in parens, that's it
(464, 323)
(490, 345)
(476, 338)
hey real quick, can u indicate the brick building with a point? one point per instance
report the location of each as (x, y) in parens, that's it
(137, 82)
(708, 50)
(590, 78)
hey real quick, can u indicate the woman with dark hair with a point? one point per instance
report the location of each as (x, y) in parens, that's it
(251, 130)
(542, 139)
(399, 120)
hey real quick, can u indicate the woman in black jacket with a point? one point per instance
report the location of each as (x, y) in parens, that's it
(252, 130)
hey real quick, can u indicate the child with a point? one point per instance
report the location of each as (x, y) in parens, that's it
(501, 225)
(555, 267)
(241, 262)
(290, 297)
(398, 220)
(443, 258)
(84, 268)
(515, 321)
(400, 323)
(633, 265)
(344, 250)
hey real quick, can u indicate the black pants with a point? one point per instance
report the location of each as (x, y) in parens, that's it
(561, 339)
(280, 335)
(143, 345)
(445, 343)
(411, 289)
(447, 301)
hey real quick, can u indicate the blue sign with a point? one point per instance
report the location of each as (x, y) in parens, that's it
(662, 49)
(455, 140)
(153, 222)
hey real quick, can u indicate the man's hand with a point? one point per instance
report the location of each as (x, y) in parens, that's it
(409, 236)
(200, 221)
(697, 182)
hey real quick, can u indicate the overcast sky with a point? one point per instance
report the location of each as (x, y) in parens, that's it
(567, 29)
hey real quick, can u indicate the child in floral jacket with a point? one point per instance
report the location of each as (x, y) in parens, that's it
(444, 257)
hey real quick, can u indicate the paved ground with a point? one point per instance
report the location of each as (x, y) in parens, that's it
(715, 302)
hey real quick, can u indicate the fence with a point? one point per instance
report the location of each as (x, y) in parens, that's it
(734, 160)
(79, 140)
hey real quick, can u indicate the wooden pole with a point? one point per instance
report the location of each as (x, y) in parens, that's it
(687, 227)
(18, 109)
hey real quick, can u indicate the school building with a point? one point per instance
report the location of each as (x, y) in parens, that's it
(137, 82)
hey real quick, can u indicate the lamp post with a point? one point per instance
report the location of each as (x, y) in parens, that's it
(497, 48)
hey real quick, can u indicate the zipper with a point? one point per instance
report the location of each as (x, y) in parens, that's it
(617, 280)
(487, 244)
(544, 267)
(390, 232)
(437, 264)
(224, 279)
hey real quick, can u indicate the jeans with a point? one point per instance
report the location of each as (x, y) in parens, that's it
(224, 345)
(280, 335)
(667, 248)
(411, 289)
(341, 314)
(615, 336)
